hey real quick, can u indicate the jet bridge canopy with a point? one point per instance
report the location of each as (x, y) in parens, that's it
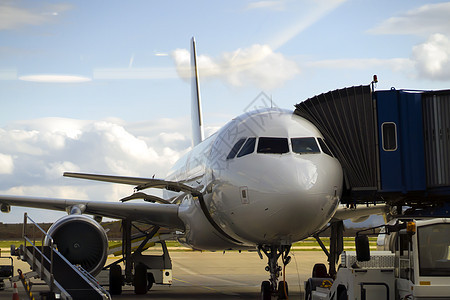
(346, 119)
(393, 145)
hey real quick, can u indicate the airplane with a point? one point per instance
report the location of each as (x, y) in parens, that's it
(265, 180)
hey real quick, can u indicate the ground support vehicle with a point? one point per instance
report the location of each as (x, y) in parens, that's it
(6, 269)
(416, 266)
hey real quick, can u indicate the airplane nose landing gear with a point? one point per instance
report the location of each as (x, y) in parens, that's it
(272, 287)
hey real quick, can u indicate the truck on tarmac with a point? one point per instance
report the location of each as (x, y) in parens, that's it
(415, 264)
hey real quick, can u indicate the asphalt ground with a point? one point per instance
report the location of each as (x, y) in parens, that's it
(208, 275)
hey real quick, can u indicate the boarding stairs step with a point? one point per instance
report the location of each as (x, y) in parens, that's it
(72, 282)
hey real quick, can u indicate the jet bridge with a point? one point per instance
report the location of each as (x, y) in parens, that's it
(393, 145)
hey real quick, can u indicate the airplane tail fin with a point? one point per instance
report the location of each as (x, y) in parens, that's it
(196, 107)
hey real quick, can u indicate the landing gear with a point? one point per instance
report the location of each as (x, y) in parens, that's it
(336, 245)
(273, 287)
(140, 279)
(283, 291)
(266, 290)
(115, 280)
(151, 281)
(141, 271)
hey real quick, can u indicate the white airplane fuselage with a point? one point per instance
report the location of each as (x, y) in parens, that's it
(274, 187)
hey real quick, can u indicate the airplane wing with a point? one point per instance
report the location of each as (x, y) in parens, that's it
(140, 183)
(359, 214)
(164, 215)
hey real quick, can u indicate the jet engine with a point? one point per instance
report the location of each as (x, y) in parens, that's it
(81, 240)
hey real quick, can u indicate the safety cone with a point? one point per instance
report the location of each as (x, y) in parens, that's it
(16, 293)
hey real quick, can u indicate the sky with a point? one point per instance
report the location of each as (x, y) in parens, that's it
(95, 87)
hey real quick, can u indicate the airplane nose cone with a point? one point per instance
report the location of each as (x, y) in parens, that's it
(310, 197)
(291, 199)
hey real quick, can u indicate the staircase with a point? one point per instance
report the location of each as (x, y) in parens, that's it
(63, 278)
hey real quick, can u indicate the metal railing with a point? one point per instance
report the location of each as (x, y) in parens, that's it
(93, 282)
(46, 275)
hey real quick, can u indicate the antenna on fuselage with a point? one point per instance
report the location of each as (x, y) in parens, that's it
(196, 105)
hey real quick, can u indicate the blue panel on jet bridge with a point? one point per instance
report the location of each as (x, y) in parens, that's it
(401, 142)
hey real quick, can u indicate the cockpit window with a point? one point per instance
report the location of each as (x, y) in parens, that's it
(273, 145)
(236, 148)
(248, 147)
(324, 147)
(305, 145)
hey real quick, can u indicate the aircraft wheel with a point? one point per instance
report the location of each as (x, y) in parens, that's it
(281, 290)
(266, 291)
(140, 279)
(115, 280)
(151, 281)
(343, 295)
(308, 291)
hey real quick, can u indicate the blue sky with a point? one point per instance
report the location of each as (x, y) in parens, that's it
(102, 87)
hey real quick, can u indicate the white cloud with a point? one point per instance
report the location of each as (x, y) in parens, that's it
(12, 17)
(54, 170)
(171, 137)
(61, 191)
(69, 127)
(6, 164)
(272, 5)
(424, 20)
(40, 136)
(37, 152)
(54, 78)
(432, 58)
(18, 141)
(256, 65)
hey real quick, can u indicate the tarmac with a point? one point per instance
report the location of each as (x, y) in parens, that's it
(206, 275)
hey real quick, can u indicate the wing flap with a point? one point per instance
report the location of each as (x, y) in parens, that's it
(109, 178)
(140, 183)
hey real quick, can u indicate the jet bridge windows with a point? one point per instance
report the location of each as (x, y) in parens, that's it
(306, 145)
(273, 145)
(389, 136)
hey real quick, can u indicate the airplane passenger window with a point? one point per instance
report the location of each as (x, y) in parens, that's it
(273, 145)
(324, 147)
(305, 145)
(248, 147)
(236, 148)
